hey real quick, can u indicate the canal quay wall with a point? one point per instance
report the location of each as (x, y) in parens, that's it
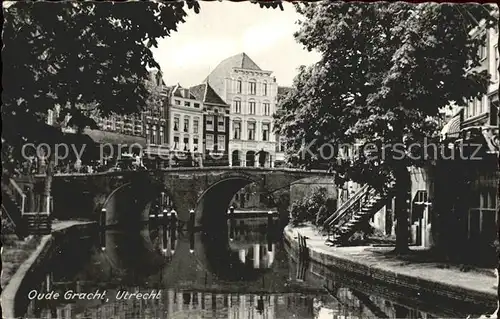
(14, 296)
(468, 287)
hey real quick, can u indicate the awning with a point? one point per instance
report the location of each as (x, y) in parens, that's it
(103, 137)
(452, 128)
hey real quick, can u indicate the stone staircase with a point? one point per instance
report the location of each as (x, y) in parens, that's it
(354, 213)
(14, 206)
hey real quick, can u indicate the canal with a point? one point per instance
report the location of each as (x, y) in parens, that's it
(243, 271)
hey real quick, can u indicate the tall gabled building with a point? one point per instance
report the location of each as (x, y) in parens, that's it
(215, 124)
(251, 93)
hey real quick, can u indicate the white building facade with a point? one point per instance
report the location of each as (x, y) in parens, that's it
(252, 94)
(185, 121)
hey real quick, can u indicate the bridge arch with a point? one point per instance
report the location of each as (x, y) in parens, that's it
(213, 202)
(130, 204)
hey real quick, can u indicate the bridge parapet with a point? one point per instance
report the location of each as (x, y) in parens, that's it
(197, 170)
(199, 188)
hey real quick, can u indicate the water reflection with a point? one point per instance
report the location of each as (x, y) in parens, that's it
(240, 273)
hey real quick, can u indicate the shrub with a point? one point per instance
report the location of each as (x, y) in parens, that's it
(307, 209)
(7, 226)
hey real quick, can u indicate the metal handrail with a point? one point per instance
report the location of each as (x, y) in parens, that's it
(345, 205)
(20, 193)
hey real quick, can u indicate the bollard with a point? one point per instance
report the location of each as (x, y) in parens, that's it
(102, 218)
(173, 229)
(270, 219)
(162, 215)
(165, 237)
(173, 220)
(232, 223)
(269, 243)
(102, 238)
(191, 220)
(191, 243)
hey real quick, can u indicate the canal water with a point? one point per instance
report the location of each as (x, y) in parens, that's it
(243, 272)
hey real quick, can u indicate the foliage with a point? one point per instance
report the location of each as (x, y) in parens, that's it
(386, 71)
(281, 200)
(306, 210)
(83, 56)
(7, 226)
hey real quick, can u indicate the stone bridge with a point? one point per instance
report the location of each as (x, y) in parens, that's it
(128, 195)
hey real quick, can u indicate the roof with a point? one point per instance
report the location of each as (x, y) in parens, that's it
(103, 137)
(241, 61)
(204, 92)
(176, 91)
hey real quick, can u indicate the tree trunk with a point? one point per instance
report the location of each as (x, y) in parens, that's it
(401, 208)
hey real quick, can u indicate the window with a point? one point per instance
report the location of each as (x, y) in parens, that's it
(195, 126)
(176, 142)
(252, 107)
(265, 89)
(162, 140)
(186, 125)
(236, 130)
(195, 143)
(477, 106)
(237, 106)
(251, 131)
(177, 102)
(176, 124)
(239, 86)
(495, 73)
(265, 132)
(267, 108)
(147, 134)
(482, 215)
(253, 87)
(221, 127)
(470, 108)
(210, 123)
(210, 142)
(187, 103)
(221, 142)
(197, 105)
(186, 143)
(482, 52)
(153, 136)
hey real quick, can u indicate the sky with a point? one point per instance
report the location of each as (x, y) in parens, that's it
(223, 29)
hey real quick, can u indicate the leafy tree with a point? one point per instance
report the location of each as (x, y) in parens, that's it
(83, 56)
(386, 70)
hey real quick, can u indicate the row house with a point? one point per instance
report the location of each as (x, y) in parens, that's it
(252, 94)
(471, 207)
(156, 126)
(185, 117)
(215, 124)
